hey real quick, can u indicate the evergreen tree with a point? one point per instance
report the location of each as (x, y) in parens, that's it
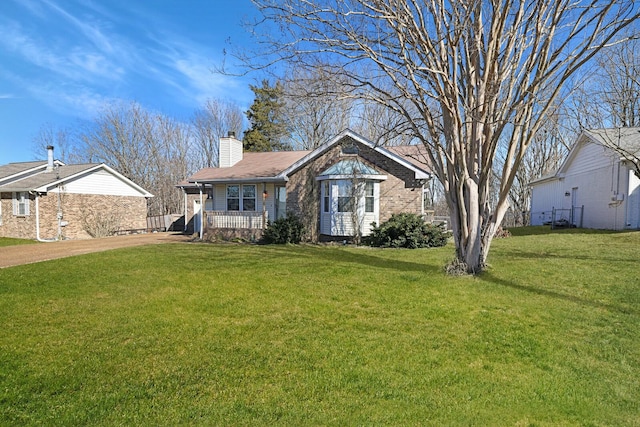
(268, 130)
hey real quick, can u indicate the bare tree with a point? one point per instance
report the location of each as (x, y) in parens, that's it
(609, 94)
(381, 124)
(150, 149)
(216, 119)
(544, 156)
(61, 139)
(167, 142)
(619, 82)
(318, 107)
(469, 76)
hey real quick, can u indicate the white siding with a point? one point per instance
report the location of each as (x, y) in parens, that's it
(544, 197)
(220, 198)
(230, 152)
(336, 223)
(633, 201)
(594, 193)
(99, 182)
(593, 176)
(589, 157)
(270, 201)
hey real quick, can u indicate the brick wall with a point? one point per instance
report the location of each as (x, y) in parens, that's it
(80, 211)
(398, 193)
(17, 226)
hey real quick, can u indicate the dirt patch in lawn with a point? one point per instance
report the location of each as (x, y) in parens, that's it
(27, 254)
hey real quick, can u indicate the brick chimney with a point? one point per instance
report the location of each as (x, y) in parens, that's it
(230, 150)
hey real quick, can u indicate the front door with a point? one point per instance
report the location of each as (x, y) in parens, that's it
(281, 201)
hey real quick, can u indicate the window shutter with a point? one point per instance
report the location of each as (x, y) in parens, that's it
(25, 200)
(21, 204)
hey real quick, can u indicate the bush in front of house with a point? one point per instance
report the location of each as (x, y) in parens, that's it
(283, 231)
(406, 230)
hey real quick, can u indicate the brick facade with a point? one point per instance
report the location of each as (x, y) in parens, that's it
(80, 212)
(400, 192)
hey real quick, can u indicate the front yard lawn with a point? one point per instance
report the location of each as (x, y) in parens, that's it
(203, 334)
(8, 241)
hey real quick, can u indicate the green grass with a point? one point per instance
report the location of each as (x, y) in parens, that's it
(265, 335)
(8, 241)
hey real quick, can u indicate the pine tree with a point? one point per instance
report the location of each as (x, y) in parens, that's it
(268, 130)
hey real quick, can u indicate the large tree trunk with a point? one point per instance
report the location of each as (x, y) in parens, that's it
(471, 79)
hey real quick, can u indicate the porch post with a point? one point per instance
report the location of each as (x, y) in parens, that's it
(201, 213)
(184, 192)
(264, 205)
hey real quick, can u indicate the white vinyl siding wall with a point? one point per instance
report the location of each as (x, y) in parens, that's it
(633, 201)
(220, 198)
(98, 182)
(604, 187)
(335, 223)
(544, 197)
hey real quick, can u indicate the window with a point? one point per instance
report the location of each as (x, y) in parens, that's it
(241, 198)
(345, 196)
(248, 197)
(21, 204)
(233, 197)
(325, 196)
(369, 196)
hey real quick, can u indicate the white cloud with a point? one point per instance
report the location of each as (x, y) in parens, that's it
(90, 28)
(73, 63)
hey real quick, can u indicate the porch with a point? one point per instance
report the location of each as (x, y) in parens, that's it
(246, 220)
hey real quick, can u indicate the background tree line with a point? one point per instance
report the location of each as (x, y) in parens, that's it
(307, 106)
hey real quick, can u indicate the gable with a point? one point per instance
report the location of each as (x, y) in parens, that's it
(350, 168)
(588, 156)
(352, 144)
(591, 152)
(98, 182)
(88, 178)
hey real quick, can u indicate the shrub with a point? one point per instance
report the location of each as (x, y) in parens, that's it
(284, 230)
(407, 230)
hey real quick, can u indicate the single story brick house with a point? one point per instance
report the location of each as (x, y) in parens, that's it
(49, 200)
(338, 189)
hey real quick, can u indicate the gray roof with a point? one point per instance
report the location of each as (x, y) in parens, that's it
(44, 178)
(16, 168)
(252, 166)
(627, 139)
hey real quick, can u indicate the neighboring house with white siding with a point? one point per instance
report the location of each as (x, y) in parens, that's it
(338, 189)
(597, 185)
(49, 200)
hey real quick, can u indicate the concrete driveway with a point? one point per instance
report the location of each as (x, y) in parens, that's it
(27, 254)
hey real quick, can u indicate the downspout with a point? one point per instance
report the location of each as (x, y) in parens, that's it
(201, 214)
(38, 223)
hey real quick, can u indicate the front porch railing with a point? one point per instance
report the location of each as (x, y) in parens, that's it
(236, 220)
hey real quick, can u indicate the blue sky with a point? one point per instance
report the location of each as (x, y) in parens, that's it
(61, 60)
